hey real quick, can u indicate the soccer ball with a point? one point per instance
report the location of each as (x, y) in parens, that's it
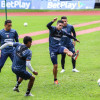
(98, 82)
(25, 24)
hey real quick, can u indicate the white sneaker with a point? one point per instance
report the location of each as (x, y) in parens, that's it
(75, 70)
(15, 89)
(62, 71)
(29, 94)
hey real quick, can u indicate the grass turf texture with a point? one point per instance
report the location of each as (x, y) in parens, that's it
(37, 23)
(72, 86)
(30, 10)
(80, 86)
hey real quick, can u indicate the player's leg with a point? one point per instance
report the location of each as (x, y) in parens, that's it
(55, 71)
(25, 75)
(30, 85)
(63, 56)
(3, 58)
(17, 72)
(55, 65)
(74, 66)
(17, 85)
(11, 55)
(69, 53)
(72, 49)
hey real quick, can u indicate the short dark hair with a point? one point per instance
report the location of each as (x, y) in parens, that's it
(27, 39)
(60, 21)
(8, 21)
(63, 17)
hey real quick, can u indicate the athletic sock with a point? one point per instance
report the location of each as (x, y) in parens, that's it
(73, 63)
(55, 79)
(73, 55)
(63, 60)
(17, 77)
(17, 85)
(28, 91)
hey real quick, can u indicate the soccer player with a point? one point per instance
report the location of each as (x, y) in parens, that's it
(68, 43)
(22, 58)
(55, 48)
(7, 35)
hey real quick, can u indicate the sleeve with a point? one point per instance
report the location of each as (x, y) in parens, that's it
(15, 44)
(0, 37)
(16, 37)
(73, 31)
(6, 44)
(49, 25)
(29, 56)
(70, 36)
(28, 64)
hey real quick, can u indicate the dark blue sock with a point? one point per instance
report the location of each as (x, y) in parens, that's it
(73, 63)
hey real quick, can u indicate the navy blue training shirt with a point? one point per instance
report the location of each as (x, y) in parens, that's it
(19, 63)
(8, 36)
(55, 36)
(65, 39)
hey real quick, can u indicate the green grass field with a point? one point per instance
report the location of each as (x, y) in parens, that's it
(73, 86)
(36, 10)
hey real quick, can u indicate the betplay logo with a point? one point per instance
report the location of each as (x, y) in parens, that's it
(16, 4)
(61, 5)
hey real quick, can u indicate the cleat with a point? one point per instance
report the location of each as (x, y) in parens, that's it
(76, 55)
(56, 82)
(75, 70)
(29, 94)
(15, 89)
(62, 71)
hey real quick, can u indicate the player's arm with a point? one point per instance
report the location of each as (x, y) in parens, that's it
(9, 44)
(16, 37)
(5, 45)
(70, 36)
(0, 38)
(49, 24)
(74, 34)
(0, 45)
(28, 64)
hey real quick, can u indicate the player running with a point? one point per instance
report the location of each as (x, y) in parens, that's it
(22, 58)
(55, 48)
(68, 43)
(7, 35)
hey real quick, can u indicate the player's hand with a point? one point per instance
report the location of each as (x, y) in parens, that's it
(54, 19)
(74, 43)
(35, 73)
(78, 41)
(0, 53)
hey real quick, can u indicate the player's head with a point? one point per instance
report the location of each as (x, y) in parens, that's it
(59, 24)
(8, 24)
(64, 19)
(27, 41)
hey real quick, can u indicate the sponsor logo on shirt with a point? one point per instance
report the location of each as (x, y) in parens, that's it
(57, 38)
(6, 33)
(7, 36)
(8, 40)
(64, 36)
